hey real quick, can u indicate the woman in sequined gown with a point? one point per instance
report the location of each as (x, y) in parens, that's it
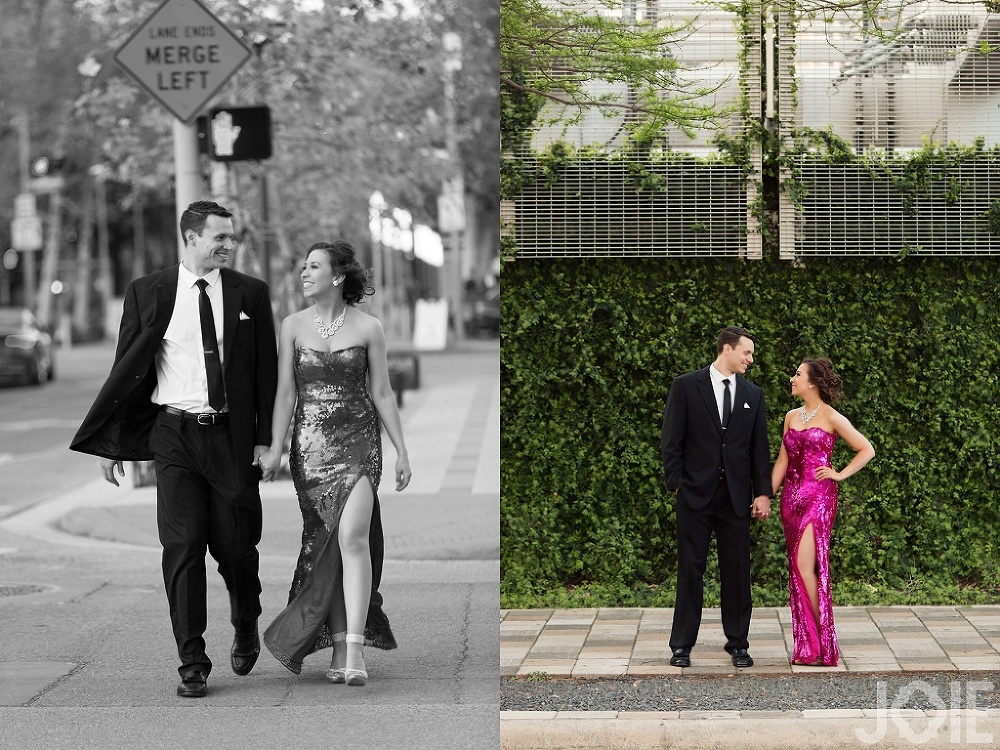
(333, 378)
(809, 504)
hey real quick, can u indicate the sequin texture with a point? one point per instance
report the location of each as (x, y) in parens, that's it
(804, 501)
(336, 443)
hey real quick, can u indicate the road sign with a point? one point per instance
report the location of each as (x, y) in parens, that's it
(182, 55)
(50, 183)
(26, 233)
(24, 205)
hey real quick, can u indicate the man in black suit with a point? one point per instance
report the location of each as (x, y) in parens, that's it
(717, 462)
(192, 388)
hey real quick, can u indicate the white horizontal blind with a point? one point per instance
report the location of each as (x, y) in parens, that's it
(918, 80)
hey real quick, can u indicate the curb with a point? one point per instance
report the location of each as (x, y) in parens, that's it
(698, 730)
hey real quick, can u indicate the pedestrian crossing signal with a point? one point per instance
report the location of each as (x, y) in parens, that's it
(237, 133)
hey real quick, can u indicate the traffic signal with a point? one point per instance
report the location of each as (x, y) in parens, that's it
(44, 164)
(238, 133)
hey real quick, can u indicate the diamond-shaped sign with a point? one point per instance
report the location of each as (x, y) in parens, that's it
(182, 55)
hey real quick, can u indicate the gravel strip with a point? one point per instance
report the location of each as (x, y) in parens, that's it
(745, 692)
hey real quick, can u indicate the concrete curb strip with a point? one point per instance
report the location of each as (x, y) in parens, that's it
(704, 730)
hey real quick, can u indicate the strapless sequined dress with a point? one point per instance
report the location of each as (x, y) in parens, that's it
(336, 443)
(804, 501)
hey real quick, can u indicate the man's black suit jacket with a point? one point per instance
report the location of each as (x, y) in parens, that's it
(695, 448)
(119, 422)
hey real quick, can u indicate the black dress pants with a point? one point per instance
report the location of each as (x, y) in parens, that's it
(205, 500)
(694, 535)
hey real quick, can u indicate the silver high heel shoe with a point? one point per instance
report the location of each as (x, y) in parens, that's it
(337, 676)
(355, 677)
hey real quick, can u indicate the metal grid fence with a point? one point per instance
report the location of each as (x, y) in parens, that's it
(595, 208)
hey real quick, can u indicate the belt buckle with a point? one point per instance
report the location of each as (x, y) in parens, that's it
(209, 419)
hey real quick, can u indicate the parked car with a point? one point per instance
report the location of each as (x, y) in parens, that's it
(485, 319)
(26, 351)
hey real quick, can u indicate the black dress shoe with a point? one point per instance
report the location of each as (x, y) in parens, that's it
(246, 649)
(681, 658)
(741, 658)
(193, 685)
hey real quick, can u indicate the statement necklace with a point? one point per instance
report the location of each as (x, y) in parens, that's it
(807, 417)
(327, 331)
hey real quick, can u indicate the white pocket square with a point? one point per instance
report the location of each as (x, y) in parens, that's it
(244, 316)
(746, 405)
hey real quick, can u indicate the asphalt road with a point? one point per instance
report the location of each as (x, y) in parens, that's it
(87, 659)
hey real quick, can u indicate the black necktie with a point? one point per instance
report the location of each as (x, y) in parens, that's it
(210, 345)
(727, 404)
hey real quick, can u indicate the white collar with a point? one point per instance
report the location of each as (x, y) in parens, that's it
(717, 376)
(186, 278)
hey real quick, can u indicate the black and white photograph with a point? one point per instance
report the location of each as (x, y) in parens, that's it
(249, 374)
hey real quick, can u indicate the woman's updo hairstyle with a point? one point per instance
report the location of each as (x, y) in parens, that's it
(343, 259)
(822, 376)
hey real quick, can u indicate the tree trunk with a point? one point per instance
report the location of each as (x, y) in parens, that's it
(84, 268)
(138, 237)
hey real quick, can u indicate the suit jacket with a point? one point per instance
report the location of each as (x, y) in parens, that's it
(696, 449)
(119, 422)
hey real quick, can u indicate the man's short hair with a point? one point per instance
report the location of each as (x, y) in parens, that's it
(731, 335)
(195, 216)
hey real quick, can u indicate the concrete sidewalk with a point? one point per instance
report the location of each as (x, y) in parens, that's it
(633, 642)
(911, 643)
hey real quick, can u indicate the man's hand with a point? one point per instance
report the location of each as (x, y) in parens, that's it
(260, 460)
(108, 468)
(761, 507)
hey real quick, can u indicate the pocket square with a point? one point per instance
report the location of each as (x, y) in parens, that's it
(244, 316)
(746, 405)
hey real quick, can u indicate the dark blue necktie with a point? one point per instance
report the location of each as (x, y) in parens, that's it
(210, 345)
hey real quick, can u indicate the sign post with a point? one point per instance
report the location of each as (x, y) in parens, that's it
(183, 55)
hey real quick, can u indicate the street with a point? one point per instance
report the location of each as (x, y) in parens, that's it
(87, 658)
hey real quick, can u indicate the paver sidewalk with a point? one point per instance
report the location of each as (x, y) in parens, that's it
(608, 642)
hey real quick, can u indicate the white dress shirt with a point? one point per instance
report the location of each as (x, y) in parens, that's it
(720, 389)
(181, 380)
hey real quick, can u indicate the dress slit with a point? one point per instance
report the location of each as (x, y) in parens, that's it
(808, 650)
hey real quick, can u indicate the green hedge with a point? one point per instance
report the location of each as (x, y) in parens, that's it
(589, 348)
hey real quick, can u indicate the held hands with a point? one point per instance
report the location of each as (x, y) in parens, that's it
(761, 507)
(403, 472)
(268, 459)
(108, 469)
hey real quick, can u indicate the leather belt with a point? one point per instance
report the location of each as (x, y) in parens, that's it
(205, 420)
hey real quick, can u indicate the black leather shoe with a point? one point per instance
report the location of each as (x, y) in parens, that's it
(193, 685)
(681, 658)
(741, 658)
(246, 649)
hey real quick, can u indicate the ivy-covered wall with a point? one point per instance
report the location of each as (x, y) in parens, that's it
(588, 351)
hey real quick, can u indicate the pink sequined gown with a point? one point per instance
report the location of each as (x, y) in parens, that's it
(806, 500)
